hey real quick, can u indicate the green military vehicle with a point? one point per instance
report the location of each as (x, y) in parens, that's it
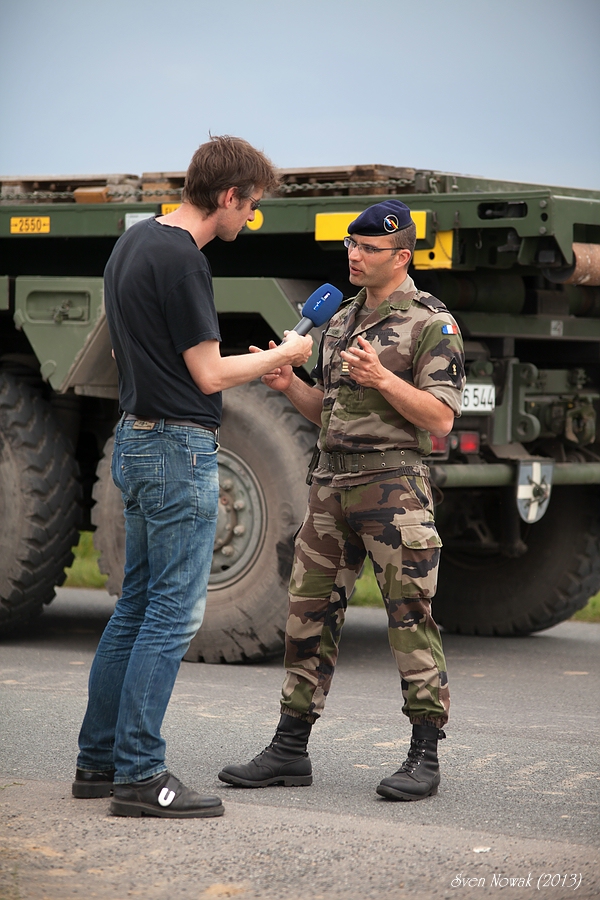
(515, 482)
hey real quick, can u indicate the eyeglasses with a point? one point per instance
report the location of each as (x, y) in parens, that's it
(367, 249)
(254, 205)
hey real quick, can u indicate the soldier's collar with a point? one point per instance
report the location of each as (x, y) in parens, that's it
(404, 295)
(401, 298)
(358, 299)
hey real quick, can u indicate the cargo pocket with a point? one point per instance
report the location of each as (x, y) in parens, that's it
(420, 560)
(420, 537)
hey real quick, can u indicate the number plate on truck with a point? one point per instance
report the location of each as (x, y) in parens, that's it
(479, 398)
(30, 224)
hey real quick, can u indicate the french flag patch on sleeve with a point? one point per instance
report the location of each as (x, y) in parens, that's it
(449, 329)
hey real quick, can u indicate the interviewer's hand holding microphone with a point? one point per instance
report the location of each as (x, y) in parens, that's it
(317, 310)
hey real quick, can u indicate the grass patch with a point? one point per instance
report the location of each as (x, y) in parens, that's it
(84, 573)
(366, 592)
(591, 612)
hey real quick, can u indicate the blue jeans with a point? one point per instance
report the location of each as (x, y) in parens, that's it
(169, 481)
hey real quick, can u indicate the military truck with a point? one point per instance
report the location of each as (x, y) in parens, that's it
(515, 483)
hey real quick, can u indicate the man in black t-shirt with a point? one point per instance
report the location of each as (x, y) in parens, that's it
(165, 336)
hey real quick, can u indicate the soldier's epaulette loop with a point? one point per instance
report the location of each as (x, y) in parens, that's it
(431, 302)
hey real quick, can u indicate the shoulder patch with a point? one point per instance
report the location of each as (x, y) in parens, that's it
(456, 371)
(430, 302)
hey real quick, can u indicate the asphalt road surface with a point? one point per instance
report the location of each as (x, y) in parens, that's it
(517, 812)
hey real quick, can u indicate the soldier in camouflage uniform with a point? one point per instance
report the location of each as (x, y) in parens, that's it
(390, 374)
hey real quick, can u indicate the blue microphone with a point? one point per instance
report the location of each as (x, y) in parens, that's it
(319, 308)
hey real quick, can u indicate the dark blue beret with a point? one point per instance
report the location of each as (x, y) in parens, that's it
(383, 218)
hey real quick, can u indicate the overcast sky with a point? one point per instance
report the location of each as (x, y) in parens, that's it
(500, 88)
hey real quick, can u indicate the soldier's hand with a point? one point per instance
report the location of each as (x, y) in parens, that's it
(281, 377)
(364, 365)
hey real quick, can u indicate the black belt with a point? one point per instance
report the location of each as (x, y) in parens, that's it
(187, 423)
(350, 463)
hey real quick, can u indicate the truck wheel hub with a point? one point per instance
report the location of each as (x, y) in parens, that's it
(241, 520)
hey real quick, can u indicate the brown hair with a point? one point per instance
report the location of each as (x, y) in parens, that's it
(224, 162)
(406, 238)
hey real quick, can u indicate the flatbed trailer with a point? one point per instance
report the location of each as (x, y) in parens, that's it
(516, 482)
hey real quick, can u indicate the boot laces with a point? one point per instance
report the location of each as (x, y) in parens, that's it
(276, 740)
(414, 758)
(260, 755)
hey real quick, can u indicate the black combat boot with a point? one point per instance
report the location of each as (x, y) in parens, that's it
(419, 775)
(285, 761)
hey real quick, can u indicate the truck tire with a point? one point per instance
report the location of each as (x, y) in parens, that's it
(265, 445)
(560, 571)
(40, 507)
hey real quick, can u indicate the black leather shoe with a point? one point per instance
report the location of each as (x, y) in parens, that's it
(419, 776)
(92, 784)
(165, 796)
(284, 762)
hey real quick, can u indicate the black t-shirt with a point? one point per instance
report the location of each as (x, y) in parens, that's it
(159, 302)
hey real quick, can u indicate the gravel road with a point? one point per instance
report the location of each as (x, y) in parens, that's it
(517, 812)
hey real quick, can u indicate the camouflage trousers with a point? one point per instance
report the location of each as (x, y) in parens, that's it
(392, 521)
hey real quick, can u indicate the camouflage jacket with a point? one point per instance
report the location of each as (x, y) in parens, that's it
(415, 337)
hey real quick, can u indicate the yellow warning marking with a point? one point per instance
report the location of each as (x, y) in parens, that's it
(419, 217)
(257, 222)
(334, 226)
(440, 257)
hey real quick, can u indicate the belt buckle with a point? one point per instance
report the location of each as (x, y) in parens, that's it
(339, 463)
